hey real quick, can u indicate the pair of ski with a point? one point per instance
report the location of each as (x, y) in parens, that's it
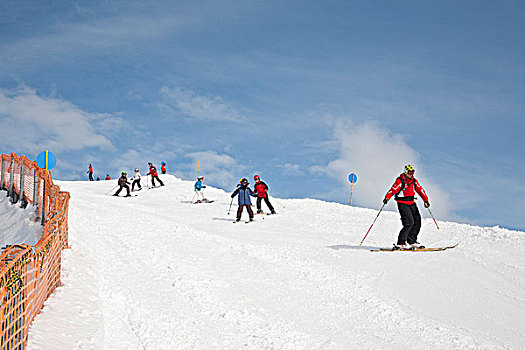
(246, 222)
(436, 249)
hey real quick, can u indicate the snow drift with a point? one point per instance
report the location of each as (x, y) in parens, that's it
(156, 272)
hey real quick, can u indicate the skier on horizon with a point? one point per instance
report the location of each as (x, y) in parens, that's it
(90, 172)
(123, 183)
(403, 191)
(154, 175)
(262, 193)
(163, 167)
(108, 177)
(136, 180)
(199, 190)
(244, 193)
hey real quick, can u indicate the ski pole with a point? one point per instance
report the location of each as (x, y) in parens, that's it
(435, 222)
(111, 190)
(380, 210)
(275, 200)
(230, 207)
(193, 197)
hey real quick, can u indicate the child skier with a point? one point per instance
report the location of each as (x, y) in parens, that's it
(108, 177)
(163, 168)
(136, 180)
(244, 193)
(403, 190)
(198, 190)
(262, 193)
(123, 183)
(154, 175)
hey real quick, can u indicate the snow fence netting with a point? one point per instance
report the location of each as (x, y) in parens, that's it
(30, 274)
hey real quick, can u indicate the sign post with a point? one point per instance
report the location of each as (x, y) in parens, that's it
(352, 178)
(45, 160)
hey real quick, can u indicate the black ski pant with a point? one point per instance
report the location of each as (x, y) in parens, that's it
(411, 221)
(153, 181)
(91, 177)
(248, 208)
(137, 182)
(267, 201)
(120, 189)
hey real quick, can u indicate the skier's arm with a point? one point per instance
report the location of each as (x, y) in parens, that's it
(396, 187)
(235, 192)
(421, 192)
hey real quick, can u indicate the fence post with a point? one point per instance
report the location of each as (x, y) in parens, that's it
(35, 188)
(12, 180)
(23, 202)
(2, 179)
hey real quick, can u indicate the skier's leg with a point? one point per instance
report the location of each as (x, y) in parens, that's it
(160, 181)
(127, 190)
(259, 200)
(239, 212)
(412, 235)
(407, 220)
(133, 185)
(250, 211)
(153, 180)
(118, 191)
(267, 201)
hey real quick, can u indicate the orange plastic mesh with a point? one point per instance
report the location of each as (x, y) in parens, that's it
(30, 274)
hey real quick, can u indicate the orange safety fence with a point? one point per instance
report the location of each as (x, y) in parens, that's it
(30, 274)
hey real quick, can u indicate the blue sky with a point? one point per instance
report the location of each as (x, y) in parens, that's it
(300, 92)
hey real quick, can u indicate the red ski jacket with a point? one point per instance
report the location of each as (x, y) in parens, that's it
(153, 171)
(261, 189)
(404, 189)
(163, 168)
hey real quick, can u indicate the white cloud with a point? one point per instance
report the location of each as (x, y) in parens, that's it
(34, 123)
(199, 107)
(377, 157)
(218, 169)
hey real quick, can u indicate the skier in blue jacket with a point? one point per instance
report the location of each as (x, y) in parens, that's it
(199, 190)
(244, 193)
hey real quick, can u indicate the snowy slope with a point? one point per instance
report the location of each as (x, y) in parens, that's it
(156, 272)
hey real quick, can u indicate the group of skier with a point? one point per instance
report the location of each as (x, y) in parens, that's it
(403, 190)
(244, 192)
(124, 184)
(90, 172)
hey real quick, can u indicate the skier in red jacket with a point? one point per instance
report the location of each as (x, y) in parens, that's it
(90, 172)
(262, 193)
(403, 190)
(154, 175)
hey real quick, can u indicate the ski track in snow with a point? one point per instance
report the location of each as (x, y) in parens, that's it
(156, 272)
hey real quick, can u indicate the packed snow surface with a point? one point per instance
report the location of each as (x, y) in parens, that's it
(156, 272)
(18, 225)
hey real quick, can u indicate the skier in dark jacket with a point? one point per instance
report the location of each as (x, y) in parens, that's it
(244, 193)
(154, 175)
(262, 193)
(123, 183)
(403, 191)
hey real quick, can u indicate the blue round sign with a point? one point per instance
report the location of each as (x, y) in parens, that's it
(352, 178)
(51, 160)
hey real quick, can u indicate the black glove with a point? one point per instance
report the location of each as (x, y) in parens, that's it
(203, 186)
(385, 201)
(232, 195)
(427, 205)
